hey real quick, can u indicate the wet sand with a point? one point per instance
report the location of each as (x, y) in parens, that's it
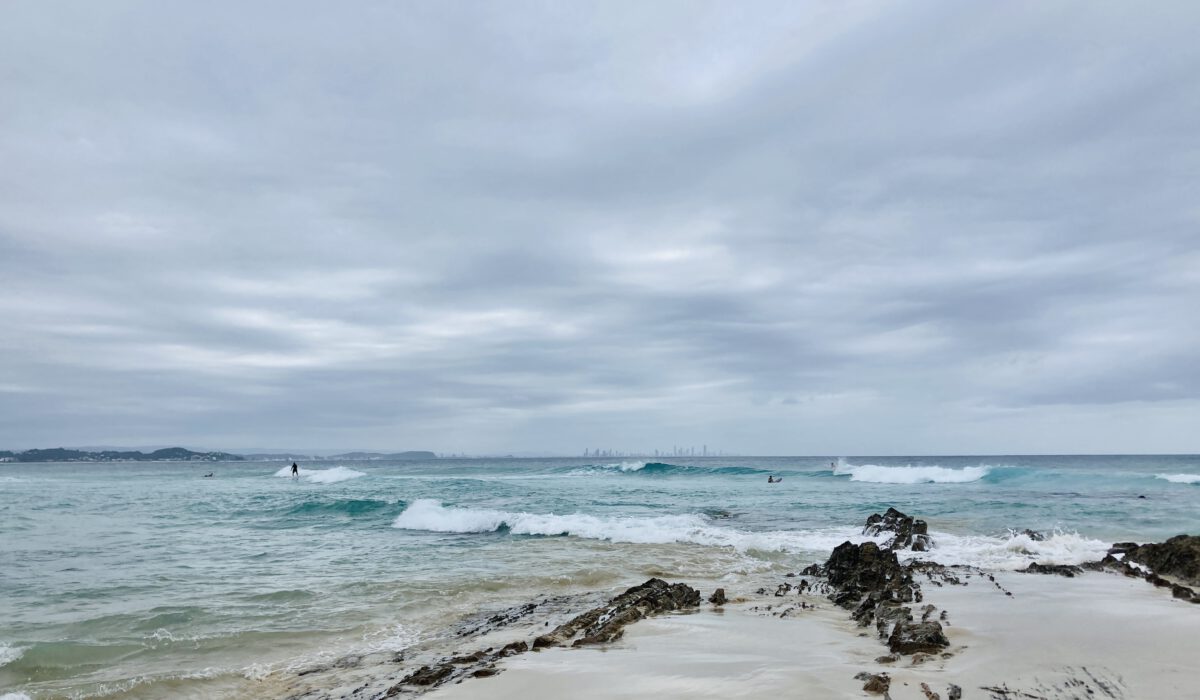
(1098, 635)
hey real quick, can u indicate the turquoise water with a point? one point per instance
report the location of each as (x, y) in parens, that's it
(149, 580)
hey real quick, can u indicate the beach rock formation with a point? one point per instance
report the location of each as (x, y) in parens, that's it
(718, 597)
(1055, 569)
(1178, 557)
(860, 570)
(607, 622)
(908, 533)
(877, 683)
(913, 637)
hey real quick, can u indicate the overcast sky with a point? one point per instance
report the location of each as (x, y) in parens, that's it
(771, 228)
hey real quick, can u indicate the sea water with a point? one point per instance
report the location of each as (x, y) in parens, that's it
(151, 580)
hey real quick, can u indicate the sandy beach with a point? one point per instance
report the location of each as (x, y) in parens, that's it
(1098, 635)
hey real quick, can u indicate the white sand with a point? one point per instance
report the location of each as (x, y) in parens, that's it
(1055, 638)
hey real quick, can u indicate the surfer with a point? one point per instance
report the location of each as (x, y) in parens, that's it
(770, 478)
(208, 475)
(295, 471)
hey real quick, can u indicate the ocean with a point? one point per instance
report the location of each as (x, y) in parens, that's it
(147, 580)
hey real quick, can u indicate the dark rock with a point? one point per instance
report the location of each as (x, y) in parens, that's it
(1181, 592)
(954, 692)
(1033, 535)
(877, 683)
(428, 675)
(514, 649)
(913, 637)
(1122, 547)
(718, 597)
(889, 659)
(607, 622)
(811, 570)
(485, 672)
(1178, 557)
(908, 533)
(1056, 569)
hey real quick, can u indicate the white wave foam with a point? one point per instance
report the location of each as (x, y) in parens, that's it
(1001, 553)
(394, 638)
(431, 515)
(15, 696)
(1014, 552)
(323, 476)
(1179, 478)
(9, 654)
(879, 474)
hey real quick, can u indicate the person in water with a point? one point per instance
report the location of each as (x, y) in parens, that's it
(770, 479)
(295, 471)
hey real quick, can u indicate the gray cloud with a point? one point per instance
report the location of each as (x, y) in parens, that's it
(823, 229)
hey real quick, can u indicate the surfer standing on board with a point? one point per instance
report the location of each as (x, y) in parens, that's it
(295, 471)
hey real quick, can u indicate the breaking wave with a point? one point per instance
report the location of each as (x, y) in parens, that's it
(323, 476)
(9, 654)
(878, 474)
(1015, 551)
(1009, 552)
(1179, 478)
(430, 515)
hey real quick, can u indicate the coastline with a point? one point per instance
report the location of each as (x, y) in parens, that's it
(1053, 638)
(864, 623)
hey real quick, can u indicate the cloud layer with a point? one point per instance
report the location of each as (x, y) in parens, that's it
(836, 228)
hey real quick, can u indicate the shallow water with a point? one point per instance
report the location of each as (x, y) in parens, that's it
(148, 580)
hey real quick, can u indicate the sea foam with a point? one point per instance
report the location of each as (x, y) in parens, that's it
(323, 476)
(1015, 551)
(430, 515)
(9, 654)
(877, 474)
(1179, 478)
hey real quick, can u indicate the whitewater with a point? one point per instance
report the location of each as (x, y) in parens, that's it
(152, 579)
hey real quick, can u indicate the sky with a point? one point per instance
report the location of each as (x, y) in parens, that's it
(769, 228)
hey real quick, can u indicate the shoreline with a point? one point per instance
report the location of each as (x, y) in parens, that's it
(864, 623)
(1058, 638)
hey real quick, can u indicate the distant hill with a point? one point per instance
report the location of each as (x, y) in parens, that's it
(169, 454)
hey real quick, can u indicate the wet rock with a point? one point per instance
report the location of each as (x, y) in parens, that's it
(857, 569)
(1178, 557)
(954, 692)
(1054, 569)
(718, 597)
(485, 672)
(607, 622)
(929, 694)
(811, 570)
(877, 683)
(1033, 535)
(913, 637)
(889, 659)
(429, 675)
(907, 532)
(1122, 547)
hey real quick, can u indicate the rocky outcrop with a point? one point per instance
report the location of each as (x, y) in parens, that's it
(607, 622)
(1053, 569)
(718, 597)
(907, 532)
(914, 637)
(1178, 557)
(871, 582)
(876, 683)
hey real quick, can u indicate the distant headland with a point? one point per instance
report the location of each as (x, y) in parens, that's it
(179, 454)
